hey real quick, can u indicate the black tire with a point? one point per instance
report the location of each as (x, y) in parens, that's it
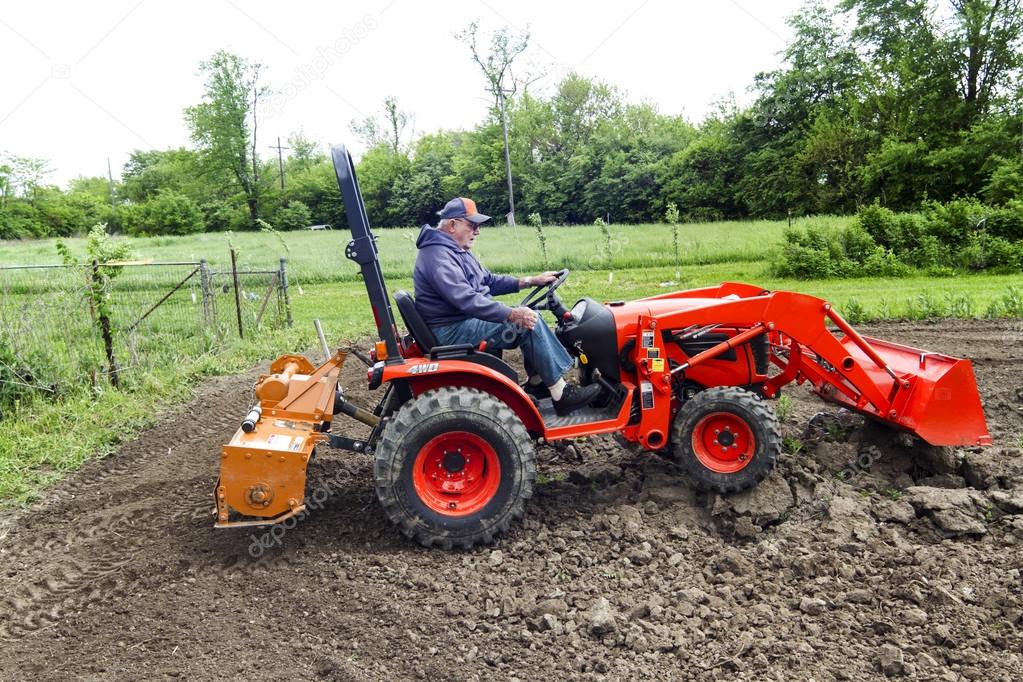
(442, 414)
(738, 410)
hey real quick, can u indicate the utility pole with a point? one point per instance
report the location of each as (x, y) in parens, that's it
(507, 162)
(110, 179)
(280, 160)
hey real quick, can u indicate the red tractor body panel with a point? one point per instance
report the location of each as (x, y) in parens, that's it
(929, 394)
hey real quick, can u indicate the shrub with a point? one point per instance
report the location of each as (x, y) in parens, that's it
(953, 223)
(816, 253)
(1006, 221)
(960, 305)
(223, 216)
(294, 216)
(959, 234)
(925, 307)
(883, 262)
(1009, 304)
(171, 213)
(18, 220)
(928, 253)
(880, 223)
(984, 251)
(854, 312)
(1006, 181)
(671, 215)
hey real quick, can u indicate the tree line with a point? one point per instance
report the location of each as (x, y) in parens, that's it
(895, 102)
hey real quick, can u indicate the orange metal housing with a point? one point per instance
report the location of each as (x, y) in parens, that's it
(263, 472)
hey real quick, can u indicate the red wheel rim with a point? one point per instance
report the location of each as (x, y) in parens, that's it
(723, 442)
(456, 473)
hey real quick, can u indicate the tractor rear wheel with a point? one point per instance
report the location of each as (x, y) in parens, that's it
(454, 468)
(727, 439)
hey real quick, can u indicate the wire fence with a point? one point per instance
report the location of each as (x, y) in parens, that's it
(64, 326)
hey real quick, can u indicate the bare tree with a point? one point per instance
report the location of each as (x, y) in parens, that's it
(496, 66)
(391, 129)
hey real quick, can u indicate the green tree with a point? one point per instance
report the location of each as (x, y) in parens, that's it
(147, 173)
(225, 124)
(380, 171)
(304, 152)
(425, 188)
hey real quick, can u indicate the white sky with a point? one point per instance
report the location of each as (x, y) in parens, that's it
(86, 81)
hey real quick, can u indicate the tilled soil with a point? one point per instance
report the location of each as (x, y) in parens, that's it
(859, 557)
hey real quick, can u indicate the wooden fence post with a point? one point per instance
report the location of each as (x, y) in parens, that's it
(204, 283)
(104, 323)
(237, 292)
(284, 289)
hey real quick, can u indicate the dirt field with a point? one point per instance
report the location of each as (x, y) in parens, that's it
(619, 570)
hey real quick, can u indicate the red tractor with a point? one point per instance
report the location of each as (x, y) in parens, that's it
(690, 373)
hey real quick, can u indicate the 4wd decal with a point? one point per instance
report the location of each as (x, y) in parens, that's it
(423, 369)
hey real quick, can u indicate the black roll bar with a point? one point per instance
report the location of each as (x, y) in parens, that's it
(363, 250)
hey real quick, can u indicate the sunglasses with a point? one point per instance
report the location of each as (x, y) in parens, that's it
(473, 226)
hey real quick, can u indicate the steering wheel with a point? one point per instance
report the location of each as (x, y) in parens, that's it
(533, 298)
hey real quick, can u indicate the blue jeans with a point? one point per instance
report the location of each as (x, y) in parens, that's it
(542, 353)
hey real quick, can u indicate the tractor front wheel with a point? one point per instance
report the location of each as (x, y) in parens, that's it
(454, 468)
(727, 439)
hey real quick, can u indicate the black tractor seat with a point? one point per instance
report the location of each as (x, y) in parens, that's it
(427, 341)
(419, 330)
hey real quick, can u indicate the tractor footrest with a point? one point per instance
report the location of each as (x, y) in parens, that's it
(584, 415)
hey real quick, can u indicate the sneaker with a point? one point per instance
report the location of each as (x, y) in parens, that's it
(536, 391)
(575, 397)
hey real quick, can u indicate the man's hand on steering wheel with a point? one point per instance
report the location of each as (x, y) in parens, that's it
(545, 283)
(538, 280)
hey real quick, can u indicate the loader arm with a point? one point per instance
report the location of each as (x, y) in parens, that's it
(929, 394)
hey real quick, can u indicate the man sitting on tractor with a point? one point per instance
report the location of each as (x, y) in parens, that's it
(453, 294)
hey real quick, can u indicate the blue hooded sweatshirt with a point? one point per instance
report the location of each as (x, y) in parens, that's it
(452, 286)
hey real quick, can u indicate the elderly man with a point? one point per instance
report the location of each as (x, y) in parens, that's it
(453, 296)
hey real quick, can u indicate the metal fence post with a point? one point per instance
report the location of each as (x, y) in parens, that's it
(237, 292)
(204, 283)
(284, 289)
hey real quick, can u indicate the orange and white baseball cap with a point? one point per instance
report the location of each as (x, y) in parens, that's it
(460, 207)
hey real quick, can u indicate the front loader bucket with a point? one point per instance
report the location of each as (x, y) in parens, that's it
(937, 397)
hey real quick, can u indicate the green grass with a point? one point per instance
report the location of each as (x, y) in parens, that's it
(42, 441)
(318, 256)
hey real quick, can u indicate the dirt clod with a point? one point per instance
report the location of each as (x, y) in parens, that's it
(956, 511)
(601, 618)
(891, 660)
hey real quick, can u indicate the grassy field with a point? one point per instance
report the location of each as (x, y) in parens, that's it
(41, 440)
(319, 256)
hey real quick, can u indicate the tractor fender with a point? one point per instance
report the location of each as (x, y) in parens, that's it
(424, 374)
